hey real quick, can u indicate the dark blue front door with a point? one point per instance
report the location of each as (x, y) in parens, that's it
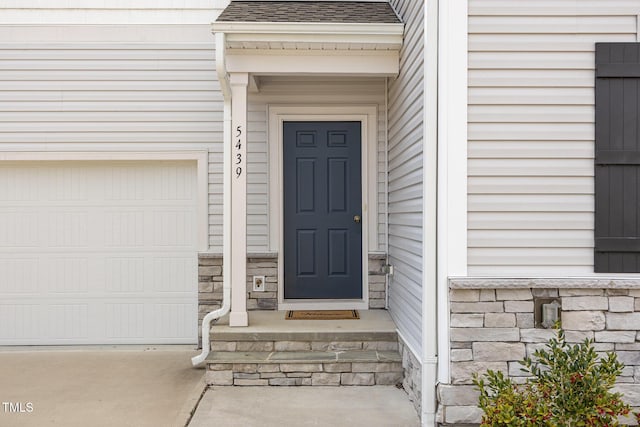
(322, 210)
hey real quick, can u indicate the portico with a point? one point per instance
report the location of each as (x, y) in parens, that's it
(273, 41)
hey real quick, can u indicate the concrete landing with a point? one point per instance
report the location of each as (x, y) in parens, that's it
(275, 322)
(381, 406)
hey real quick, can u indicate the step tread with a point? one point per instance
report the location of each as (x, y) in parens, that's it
(359, 356)
(218, 335)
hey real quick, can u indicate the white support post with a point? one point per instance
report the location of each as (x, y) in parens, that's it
(236, 165)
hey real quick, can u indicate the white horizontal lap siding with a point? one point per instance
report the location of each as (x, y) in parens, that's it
(102, 12)
(531, 132)
(406, 103)
(114, 96)
(257, 180)
(302, 91)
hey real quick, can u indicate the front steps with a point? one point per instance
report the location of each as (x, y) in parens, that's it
(300, 353)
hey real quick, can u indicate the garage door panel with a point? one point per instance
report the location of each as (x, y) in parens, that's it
(64, 184)
(107, 254)
(124, 275)
(20, 322)
(65, 228)
(67, 322)
(17, 228)
(124, 183)
(172, 320)
(169, 272)
(125, 321)
(20, 184)
(19, 275)
(65, 275)
(172, 182)
(122, 229)
(172, 228)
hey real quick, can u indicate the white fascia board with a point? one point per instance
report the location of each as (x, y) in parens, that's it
(306, 28)
(377, 63)
(316, 32)
(394, 42)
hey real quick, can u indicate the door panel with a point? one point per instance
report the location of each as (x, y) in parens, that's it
(322, 196)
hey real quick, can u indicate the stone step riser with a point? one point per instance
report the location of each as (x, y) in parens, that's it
(304, 374)
(242, 346)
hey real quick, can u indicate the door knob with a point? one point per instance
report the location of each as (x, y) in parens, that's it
(357, 219)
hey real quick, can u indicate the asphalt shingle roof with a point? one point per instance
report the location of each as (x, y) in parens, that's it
(310, 11)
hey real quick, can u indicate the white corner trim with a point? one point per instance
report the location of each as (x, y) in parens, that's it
(432, 356)
(452, 136)
(200, 157)
(452, 163)
(368, 116)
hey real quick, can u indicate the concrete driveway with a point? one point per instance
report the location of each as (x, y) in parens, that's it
(124, 386)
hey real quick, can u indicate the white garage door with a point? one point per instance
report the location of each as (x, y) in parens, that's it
(98, 253)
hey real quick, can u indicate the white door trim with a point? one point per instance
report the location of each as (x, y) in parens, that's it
(367, 115)
(200, 157)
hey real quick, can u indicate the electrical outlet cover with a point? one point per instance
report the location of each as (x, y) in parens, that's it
(258, 283)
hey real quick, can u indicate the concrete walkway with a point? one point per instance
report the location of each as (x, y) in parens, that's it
(383, 406)
(127, 386)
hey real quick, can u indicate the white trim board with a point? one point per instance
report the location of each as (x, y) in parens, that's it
(200, 157)
(321, 62)
(367, 115)
(452, 165)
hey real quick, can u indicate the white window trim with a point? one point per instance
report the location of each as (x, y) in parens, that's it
(200, 157)
(367, 115)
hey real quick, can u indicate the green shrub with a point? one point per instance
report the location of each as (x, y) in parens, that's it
(568, 386)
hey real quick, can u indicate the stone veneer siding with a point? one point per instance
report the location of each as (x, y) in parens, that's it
(492, 327)
(304, 374)
(377, 281)
(266, 264)
(412, 382)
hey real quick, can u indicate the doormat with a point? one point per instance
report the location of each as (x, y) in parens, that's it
(322, 314)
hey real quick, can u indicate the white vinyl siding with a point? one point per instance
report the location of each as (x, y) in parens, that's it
(302, 91)
(406, 103)
(124, 96)
(531, 132)
(107, 12)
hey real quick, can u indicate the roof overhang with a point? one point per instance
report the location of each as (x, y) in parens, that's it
(305, 36)
(321, 48)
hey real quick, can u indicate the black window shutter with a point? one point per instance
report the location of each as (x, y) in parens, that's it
(617, 158)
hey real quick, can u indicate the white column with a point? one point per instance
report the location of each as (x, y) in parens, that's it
(236, 164)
